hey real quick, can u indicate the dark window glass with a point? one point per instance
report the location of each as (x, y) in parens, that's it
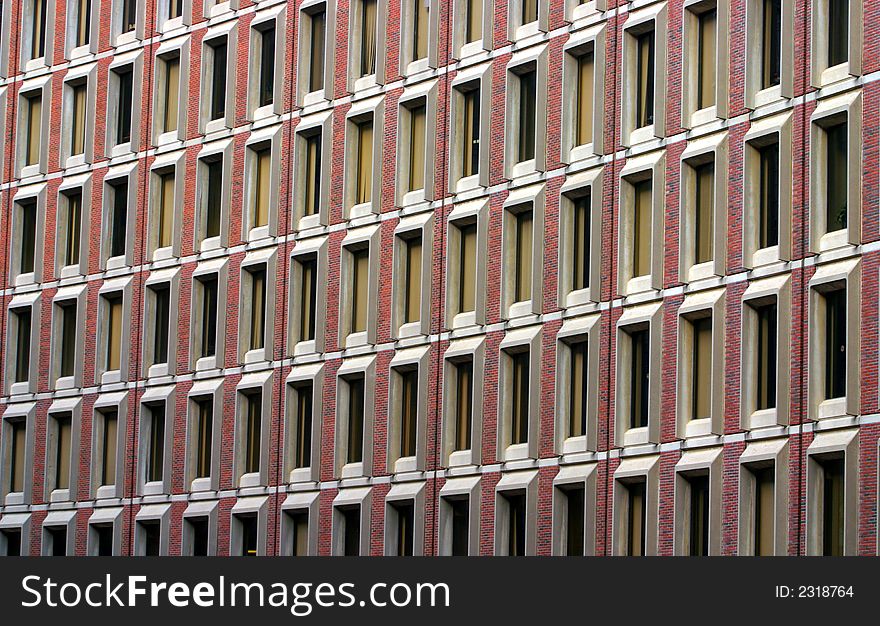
(836, 177)
(248, 526)
(253, 430)
(162, 308)
(405, 512)
(645, 79)
(640, 347)
(637, 517)
(769, 196)
(152, 534)
(104, 536)
(209, 316)
(835, 344)
(409, 406)
(355, 419)
(303, 451)
(12, 537)
(156, 449)
(838, 32)
(833, 477)
(198, 528)
(766, 319)
(218, 81)
(204, 435)
(464, 377)
(574, 513)
(580, 239)
(213, 196)
(316, 70)
(771, 56)
(57, 537)
(699, 518)
(351, 521)
(527, 115)
(22, 344)
(519, 431)
(516, 524)
(28, 214)
(123, 112)
(118, 217)
(67, 362)
(267, 66)
(460, 526)
(764, 529)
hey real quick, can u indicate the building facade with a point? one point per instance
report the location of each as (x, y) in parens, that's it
(376, 277)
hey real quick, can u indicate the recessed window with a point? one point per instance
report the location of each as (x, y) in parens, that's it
(412, 279)
(83, 21)
(575, 519)
(408, 409)
(218, 60)
(516, 523)
(22, 322)
(467, 267)
(175, 9)
(249, 528)
(404, 526)
(60, 432)
(266, 87)
(56, 538)
(838, 32)
(526, 119)
(766, 355)
(368, 34)
(12, 540)
(118, 217)
(832, 484)
(204, 406)
(639, 373)
(768, 209)
(302, 448)
(27, 222)
(463, 384)
(34, 108)
(523, 234)
(636, 518)
(103, 534)
(317, 36)
(351, 530)
(253, 407)
(529, 11)
(213, 195)
(308, 297)
(578, 389)
(69, 225)
(701, 404)
(360, 271)
(198, 535)
(698, 514)
(169, 92)
(645, 78)
(419, 33)
(417, 115)
(207, 334)
(312, 174)
(78, 106)
(17, 430)
(151, 537)
(355, 421)
(161, 295)
(519, 410)
(704, 203)
(580, 242)
(38, 29)
(164, 204)
(836, 176)
(364, 163)
(835, 343)
(67, 356)
(299, 532)
(129, 15)
(470, 132)
(257, 330)
(113, 330)
(771, 39)
(584, 98)
(641, 228)
(155, 444)
(124, 77)
(460, 514)
(764, 505)
(707, 22)
(473, 20)
(109, 421)
(262, 164)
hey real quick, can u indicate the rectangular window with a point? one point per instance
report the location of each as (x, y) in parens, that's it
(771, 39)
(529, 11)
(118, 217)
(170, 93)
(580, 238)
(459, 512)
(213, 182)
(299, 525)
(312, 173)
(161, 324)
(351, 522)
(464, 390)
(368, 37)
(129, 15)
(318, 24)
(642, 209)
(360, 266)
(156, 443)
(640, 355)
(198, 529)
(584, 109)
(104, 536)
(253, 428)
(833, 523)
(575, 512)
(262, 181)
(218, 79)
(83, 21)
(417, 136)
(578, 389)
(470, 132)
(636, 518)
(267, 66)
(152, 537)
(208, 343)
(22, 344)
(125, 78)
(516, 524)
(764, 504)
(72, 219)
(409, 409)
(835, 344)
(175, 9)
(78, 115)
(165, 221)
(34, 127)
(303, 444)
(467, 266)
(405, 513)
(707, 22)
(523, 269)
(355, 434)
(364, 179)
(769, 198)
(61, 441)
(112, 358)
(258, 308)
(836, 182)
(645, 78)
(766, 340)
(420, 29)
(57, 538)
(705, 212)
(110, 420)
(473, 20)
(308, 295)
(38, 29)
(528, 95)
(412, 279)
(838, 32)
(27, 210)
(67, 345)
(698, 487)
(702, 368)
(204, 435)
(12, 537)
(519, 417)
(17, 439)
(248, 526)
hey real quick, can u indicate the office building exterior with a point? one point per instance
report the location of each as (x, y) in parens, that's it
(381, 277)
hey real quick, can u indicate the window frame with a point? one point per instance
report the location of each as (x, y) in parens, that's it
(309, 126)
(526, 199)
(637, 23)
(372, 109)
(473, 350)
(266, 257)
(407, 65)
(466, 213)
(76, 294)
(28, 89)
(360, 497)
(645, 469)
(754, 95)
(119, 402)
(27, 62)
(590, 184)
(366, 237)
(425, 95)
(72, 409)
(409, 491)
(584, 329)
(645, 317)
(271, 139)
(215, 36)
(103, 517)
(759, 454)
(83, 184)
(514, 342)
(299, 502)
(588, 41)
(30, 302)
(404, 361)
(203, 389)
(365, 368)
(358, 83)
(262, 382)
(691, 116)
(419, 226)
(179, 47)
(154, 396)
(516, 483)
(123, 287)
(462, 49)
(130, 174)
(821, 73)
(534, 59)
(199, 510)
(276, 19)
(833, 444)
(647, 167)
(304, 97)
(170, 277)
(311, 374)
(464, 488)
(158, 514)
(480, 75)
(19, 412)
(134, 60)
(211, 152)
(584, 476)
(692, 463)
(174, 164)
